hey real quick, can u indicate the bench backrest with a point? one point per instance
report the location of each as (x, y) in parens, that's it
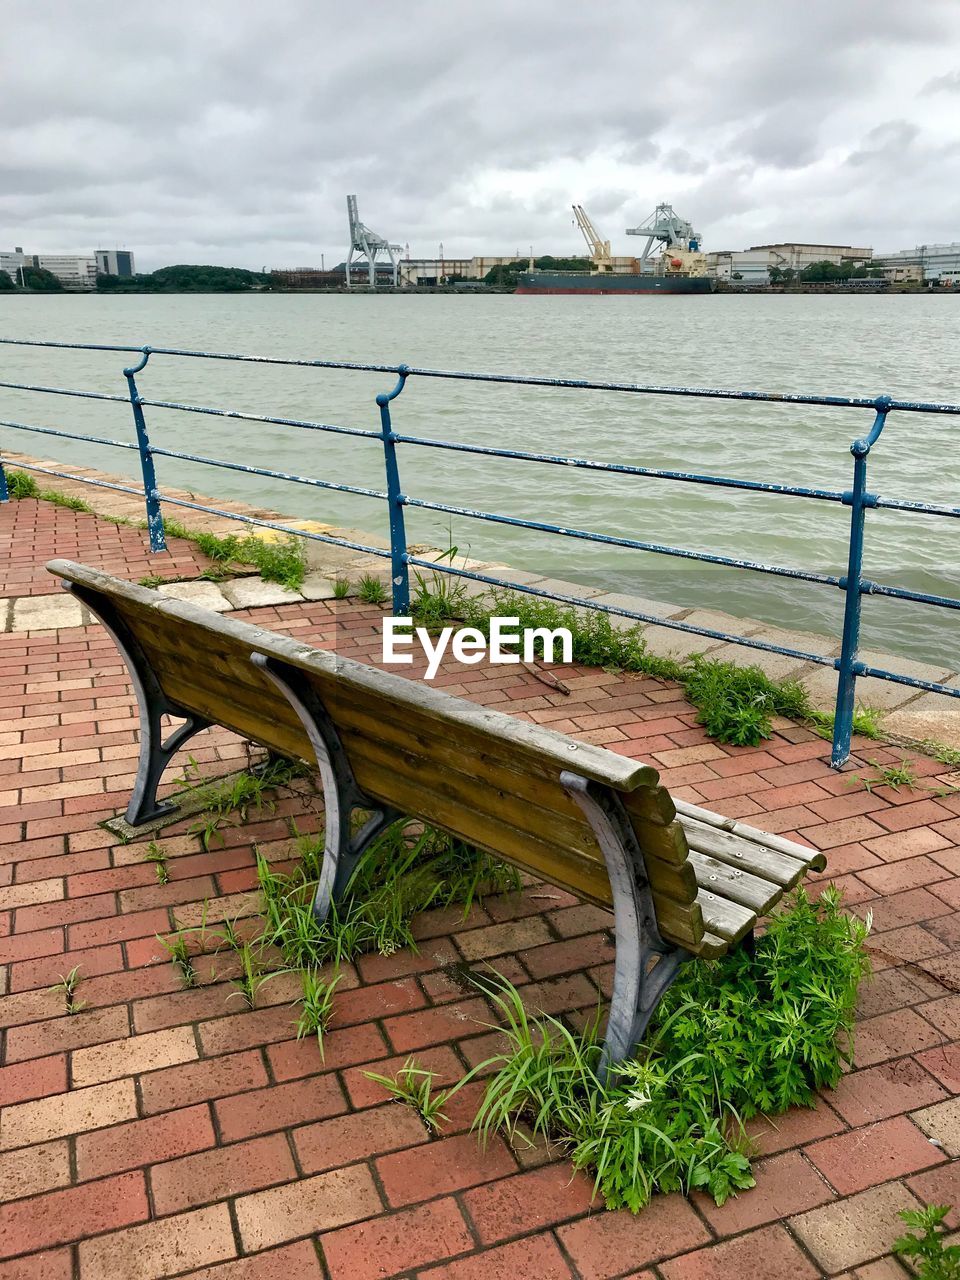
(486, 777)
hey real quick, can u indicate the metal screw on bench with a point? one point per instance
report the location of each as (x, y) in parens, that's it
(399, 568)
(158, 540)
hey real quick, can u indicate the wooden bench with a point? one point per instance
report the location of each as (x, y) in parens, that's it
(682, 881)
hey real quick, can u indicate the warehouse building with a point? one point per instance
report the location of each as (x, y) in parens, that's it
(751, 266)
(937, 264)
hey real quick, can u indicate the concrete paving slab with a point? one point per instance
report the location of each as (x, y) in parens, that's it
(639, 604)
(664, 642)
(250, 593)
(316, 587)
(882, 694)
(932, 715)
(206, 594)
(46, 613)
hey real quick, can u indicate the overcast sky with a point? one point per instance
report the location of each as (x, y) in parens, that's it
(231, 132)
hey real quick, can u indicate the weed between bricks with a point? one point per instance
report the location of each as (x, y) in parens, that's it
(778, 1023)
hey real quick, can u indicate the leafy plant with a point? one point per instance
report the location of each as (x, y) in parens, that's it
(891, 775)
(232, 800)
(929, 1256)
(440, 597)
(407, 869)
(152, 580)
(21, 485)
(158, 856)
(370, 590)
(735, 703)
(733, 1037)
(341, 588)
(866, 722)
(65, 500)
(252, 975)
(181, 958)
(282, 562)
(68, 985)
(413, 1085)
(317, 1011)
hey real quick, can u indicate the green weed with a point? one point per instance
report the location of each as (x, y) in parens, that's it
(317, 1010)
(68, 985)
(233, 800)
(152, 580)
(252, 975)
(180, 956)
(370, 590)
(890, 775)
(439, 597)
(282, 562)
(158, 856)
(406, 870)
(64, 500)
(341, 588)
(21, 485)
(413, 1085)
(733, 1037)
(930, 1257)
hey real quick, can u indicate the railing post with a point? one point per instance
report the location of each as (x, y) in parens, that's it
(858, 499)
(399, 569)
(158, 541)
(4, 491)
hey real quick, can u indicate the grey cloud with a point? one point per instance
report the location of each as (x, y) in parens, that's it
(234, 131)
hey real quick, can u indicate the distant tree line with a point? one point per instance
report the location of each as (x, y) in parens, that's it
(508, 274)
(821, 272)
(35, 278)
(186, 279)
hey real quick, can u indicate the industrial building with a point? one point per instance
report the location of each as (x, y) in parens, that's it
(752, 266)
(74, 271)
(115, 262)
(937, 264)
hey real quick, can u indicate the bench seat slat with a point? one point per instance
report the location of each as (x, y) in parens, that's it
(727, 919)
(769, 864)
(809, 857)
(749, 891)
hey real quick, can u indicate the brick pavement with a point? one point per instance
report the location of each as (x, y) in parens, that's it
(167, 1132)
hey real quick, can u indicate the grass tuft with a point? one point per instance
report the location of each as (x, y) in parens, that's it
(370, 590)
(413, 1085)
(732, 1038)
(68, 985)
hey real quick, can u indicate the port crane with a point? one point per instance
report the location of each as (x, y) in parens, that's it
(672, 231)
(599, 249)
(367, 245)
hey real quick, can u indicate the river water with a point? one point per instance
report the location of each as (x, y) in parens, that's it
(905, 346)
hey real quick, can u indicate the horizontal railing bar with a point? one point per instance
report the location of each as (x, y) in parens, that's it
(878, 673)
(904, 593)
(70, 346)
(634, 545)
(264, 471)
(258, 417)
(715, 393)
(579, 603)
(921, 508)
(272, 524)
(656, 473)
(65, 391)
(66, 435)
(65, 475)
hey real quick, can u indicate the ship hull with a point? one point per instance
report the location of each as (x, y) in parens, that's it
(544, 282)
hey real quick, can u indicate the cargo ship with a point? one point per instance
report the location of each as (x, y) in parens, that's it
(597, 282)
(678, 268)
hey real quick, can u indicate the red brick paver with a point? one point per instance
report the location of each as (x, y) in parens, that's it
(164, 1131)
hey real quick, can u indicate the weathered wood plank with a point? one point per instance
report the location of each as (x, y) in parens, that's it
(730, 882)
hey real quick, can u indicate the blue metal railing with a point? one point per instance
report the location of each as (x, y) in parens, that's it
(858, 498)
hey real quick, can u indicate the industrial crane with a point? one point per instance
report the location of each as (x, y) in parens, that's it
(672, 231)
(599, 249)
(367, 244)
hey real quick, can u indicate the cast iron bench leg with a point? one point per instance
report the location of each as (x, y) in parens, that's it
(341, 794)
(155, 753)
(638, 982)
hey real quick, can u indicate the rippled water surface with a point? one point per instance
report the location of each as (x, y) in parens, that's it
(903, 346)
